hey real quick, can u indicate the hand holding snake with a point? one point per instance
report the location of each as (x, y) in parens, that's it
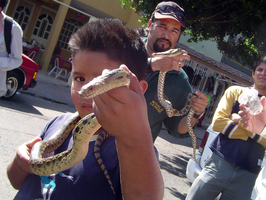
(99, 89)
(167, 104)
(83, 129)
(116, 105)
(168, 63)
(23, 154)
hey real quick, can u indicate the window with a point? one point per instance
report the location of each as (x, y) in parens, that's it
(70, 26)
(21, 16)
(43, 26)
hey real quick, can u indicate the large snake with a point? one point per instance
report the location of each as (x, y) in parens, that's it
(168, 105)
(83, 130)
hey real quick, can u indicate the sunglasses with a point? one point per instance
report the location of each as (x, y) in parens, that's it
(175, 11)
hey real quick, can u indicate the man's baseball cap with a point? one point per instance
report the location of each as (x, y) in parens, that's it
(170, 10)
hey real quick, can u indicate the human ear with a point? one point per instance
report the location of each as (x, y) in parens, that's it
(253, 74)
(144, 85)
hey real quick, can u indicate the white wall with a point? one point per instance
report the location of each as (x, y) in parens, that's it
(207, 48)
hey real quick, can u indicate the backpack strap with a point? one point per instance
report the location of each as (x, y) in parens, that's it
(7, 33)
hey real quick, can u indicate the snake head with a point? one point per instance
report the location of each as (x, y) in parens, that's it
(109, 79)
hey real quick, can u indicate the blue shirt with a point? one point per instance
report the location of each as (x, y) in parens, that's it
(89, 181)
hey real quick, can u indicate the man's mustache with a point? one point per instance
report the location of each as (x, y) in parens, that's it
(164, 40)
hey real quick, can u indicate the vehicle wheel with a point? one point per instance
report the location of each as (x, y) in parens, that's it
(13, 83)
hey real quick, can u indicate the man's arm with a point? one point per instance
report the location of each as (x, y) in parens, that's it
(122, 112)
(222, 119)
(199, 105)
(140, 173)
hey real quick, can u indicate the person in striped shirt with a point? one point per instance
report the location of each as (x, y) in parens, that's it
(237, 153)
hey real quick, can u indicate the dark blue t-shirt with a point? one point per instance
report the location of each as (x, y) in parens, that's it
(89, 181)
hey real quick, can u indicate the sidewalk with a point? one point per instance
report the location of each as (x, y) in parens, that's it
(49, 88)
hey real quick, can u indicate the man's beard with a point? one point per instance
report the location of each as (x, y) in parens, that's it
(157, 48)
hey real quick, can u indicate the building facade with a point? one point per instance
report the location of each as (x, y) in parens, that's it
(49, 24)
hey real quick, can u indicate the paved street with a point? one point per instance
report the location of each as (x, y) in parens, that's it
(24, 117)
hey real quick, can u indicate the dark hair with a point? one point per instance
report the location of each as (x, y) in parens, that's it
(118, 42)
(258, 62)
(3, 4)
(143, 32)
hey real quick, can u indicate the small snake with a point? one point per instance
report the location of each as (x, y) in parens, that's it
(168, 105)
(83, 130)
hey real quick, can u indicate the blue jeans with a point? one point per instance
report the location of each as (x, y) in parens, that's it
(219, 175)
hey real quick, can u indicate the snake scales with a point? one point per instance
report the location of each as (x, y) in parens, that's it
(167, 104)
(84, 128)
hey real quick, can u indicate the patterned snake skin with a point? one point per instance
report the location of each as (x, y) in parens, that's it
(168, 105)
(83, 130)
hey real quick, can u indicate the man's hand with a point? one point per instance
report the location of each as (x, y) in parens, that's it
(169, 63)
(119, 109)
(253, 123)
(235, 117)
(200, 103)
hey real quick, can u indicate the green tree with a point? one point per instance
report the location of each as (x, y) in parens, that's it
(218, 19)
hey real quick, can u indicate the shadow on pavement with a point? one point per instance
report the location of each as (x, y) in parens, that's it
(27, 103)
(177, 194)
(49, 93)
(199, 131)
(175, 165)
(19, 103)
